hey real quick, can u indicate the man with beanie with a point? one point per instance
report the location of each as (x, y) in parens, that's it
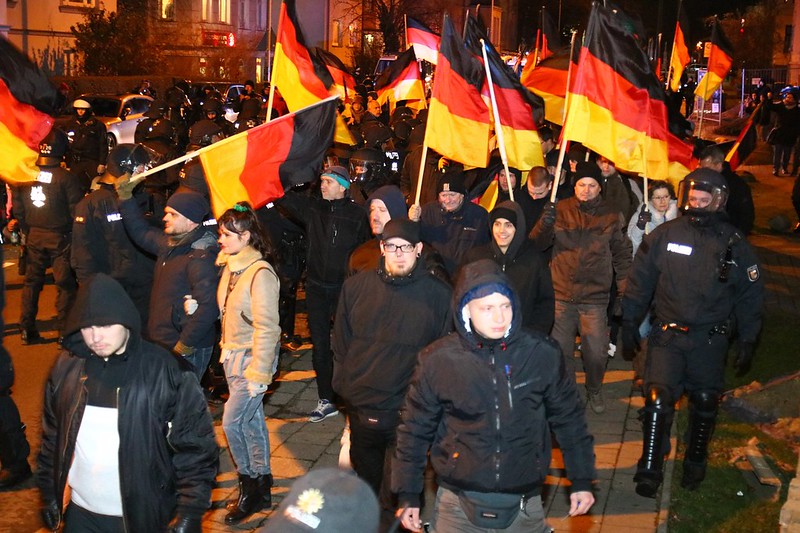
(385, 204)
(385, 316)
(452, 225)
(484, 402)
(522, 263)
(185, 253)
(335, 226)
(589, 246)
(99, 240)
(125, 425)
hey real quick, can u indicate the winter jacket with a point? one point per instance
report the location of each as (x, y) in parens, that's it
(168, 456)
(787, 123)
(382, 322)
(250, 311)
(678, 267)
(618, 194)
(485, 409)
(589, 247)
(453, 234)
(334, 229)
(184, 266)
(528, 273)
(101, 244)
(87, 139)
(635, 234)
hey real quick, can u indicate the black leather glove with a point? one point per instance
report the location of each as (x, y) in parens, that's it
(644, 218)
(51, 515)
(744, 358)
(630, 340)
(549, 214)
(186, 524)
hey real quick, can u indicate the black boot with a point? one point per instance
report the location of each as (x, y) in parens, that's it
(702, 419)
(14, 447)
(655, 418)
(248, 503)
(265, 489)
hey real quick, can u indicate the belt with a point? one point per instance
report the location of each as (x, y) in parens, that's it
(723, 328)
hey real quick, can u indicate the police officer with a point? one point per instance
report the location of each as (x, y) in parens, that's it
(44, 210)
(99, 240)
(704, 279)
(160, 144)
(368, 172)
(88, 146)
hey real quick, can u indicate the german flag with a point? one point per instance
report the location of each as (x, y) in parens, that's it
(401, 81)
(518, 109)
(548, 80)
(720, 59)
(344, 84)
(257, 165)
(617, 106)
(302, 78)
(423, 39)
(551, 40)
(743, 146)
(27, 105)
(680, 155)
(458, 118)
(680, 52)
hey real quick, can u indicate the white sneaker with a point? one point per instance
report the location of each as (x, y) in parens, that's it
(325, 409)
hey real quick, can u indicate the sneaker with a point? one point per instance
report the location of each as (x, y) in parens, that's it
(596, 401)
(612, 349)
(325, 409)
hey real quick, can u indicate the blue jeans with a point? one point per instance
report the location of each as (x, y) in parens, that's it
(590, 321)
(780, 156)
(243, 422)
(199, 360)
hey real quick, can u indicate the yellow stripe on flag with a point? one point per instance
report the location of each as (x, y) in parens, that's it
(456, 137)
(17, 160)
(226, 166)
(523, 148)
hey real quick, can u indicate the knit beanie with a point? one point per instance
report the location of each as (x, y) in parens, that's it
(502, 212)
(392, 198)
(190, 204)
(452, 182)
(338, 173)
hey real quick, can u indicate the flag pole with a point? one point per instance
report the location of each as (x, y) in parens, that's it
(563, 142)
(670, 73)
(705, 80)
(221, 143)
(501, 143)
(271, 98)
(405, 29)
(562, 150)
(569, 74)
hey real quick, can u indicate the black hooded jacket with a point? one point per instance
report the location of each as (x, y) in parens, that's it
(526, 270)
(485, 409)
(168, 457)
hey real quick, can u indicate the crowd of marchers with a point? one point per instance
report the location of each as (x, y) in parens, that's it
(444, 332)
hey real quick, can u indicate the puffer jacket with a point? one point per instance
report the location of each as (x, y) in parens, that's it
(168, 456)
(636, 235)
(589, 247)
(250, 311)
(486, 408)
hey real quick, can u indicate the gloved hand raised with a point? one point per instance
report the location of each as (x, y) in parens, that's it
(630, 340)
(549, 214)
(125, 185)
(644, 218)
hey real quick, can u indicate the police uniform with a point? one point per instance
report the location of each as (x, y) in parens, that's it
(703, 278)
(88, 148)
(44, 210)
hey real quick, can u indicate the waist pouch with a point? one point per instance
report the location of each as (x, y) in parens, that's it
(376, 419)
(493, 510)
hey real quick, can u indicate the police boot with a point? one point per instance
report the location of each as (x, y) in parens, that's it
(702, 418)
(248, 503)
(265, 489)
(14, 450)
(655, 428)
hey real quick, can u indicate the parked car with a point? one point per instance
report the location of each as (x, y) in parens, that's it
(120, 114)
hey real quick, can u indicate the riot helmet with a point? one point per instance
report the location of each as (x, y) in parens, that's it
(212, 105)
(126, 158)
(160, 129)
(204, 133)
(703, 190)
(367, 165)
(52, 148)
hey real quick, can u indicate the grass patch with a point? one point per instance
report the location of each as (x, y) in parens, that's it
(717, 507)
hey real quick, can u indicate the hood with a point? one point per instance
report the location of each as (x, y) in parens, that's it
(473, 276)
(393, 199)
(519, 236)
(101, 301)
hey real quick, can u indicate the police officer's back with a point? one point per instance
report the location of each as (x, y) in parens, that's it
(88, 146)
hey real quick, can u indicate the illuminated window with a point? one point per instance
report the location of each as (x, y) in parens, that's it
(352, 40)
(336, 33)
(167, 11)
(260, 15)
(216, 11)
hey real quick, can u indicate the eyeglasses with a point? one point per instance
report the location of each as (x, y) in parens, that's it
(391, 248)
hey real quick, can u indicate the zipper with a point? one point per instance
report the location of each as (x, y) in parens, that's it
(121, 495)
(496, 418)
(65, 471)
(508, 387)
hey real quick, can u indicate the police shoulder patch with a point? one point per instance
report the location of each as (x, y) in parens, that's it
(752, 273)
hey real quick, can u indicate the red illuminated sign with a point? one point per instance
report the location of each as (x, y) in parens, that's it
(218, 38)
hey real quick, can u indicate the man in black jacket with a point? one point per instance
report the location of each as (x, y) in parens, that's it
(125, 425)
(740, 208)
(385, 316)
(88, 144)
(335, 226)
(484, 401)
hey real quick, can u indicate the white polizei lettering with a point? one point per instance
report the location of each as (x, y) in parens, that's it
(682, 249)
(113, 217)
(45, 177)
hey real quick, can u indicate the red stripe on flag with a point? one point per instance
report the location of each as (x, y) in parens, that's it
(299, 56)
(23, 120)
(462, 99)
(261, 176)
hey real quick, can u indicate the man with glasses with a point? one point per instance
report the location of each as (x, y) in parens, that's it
(385, 316)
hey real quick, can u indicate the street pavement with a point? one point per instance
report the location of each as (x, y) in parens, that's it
(298, 446)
